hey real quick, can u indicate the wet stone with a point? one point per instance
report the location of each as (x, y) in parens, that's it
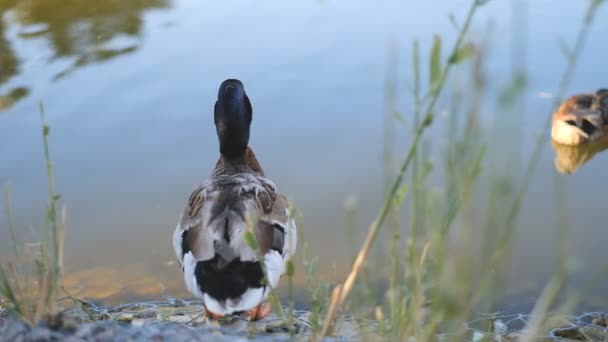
(572, 333)
(138, 322)
(42, 334)
(13, 330)
(595, 333)
(284, 328)
(600, 320)
(124, 317)
(147, 314)
(179, 302)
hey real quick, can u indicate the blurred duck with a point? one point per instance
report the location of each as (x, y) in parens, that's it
(581, 118)
(220, 266)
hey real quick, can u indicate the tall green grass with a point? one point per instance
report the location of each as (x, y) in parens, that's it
(31, 280)
(440, 276)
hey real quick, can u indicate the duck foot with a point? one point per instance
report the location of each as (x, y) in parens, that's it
(212, 316)
(259, 312)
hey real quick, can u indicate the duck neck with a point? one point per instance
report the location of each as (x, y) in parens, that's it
(233, 139)
(234, 161)
(244, 162)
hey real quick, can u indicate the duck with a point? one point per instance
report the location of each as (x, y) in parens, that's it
(220, 265)
(581, 118)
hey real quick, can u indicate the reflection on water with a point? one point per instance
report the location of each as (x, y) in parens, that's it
(569, 158)
(7, 100)
(9, 64)
(84, 31)
(118, 282)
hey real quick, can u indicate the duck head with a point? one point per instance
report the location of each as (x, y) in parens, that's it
(578, 120)
(232, 117)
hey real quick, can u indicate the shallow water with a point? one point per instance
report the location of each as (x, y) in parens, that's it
(129, 88)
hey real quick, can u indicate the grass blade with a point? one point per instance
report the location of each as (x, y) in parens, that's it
(435, 65)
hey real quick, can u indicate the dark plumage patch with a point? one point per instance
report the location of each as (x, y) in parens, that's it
(232, 116)
(229, 281)
(185, 248)
(584, 101)
(588, 127)
(278, 238)
(226, 231)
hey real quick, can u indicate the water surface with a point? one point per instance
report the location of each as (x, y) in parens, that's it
(129, 89)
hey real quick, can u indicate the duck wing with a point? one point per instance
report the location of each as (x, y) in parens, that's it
(209, 239)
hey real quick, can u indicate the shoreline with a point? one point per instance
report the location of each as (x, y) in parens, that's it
(181, 320)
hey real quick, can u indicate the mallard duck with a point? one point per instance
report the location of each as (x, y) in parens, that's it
(219, 265)
(581, 118)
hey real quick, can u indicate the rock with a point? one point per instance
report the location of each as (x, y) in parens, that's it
(176, 302)
(138, 322)
(130, 307)
(571, 333)
(124, 317)
(600, 320)
(180, 319)
(13, 330)
(103, 331)
(595, 333)
(39, 334)
(147, 314)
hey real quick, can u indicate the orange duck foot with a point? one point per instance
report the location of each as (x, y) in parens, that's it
(255, 314)
(212, 316)
(259, 312)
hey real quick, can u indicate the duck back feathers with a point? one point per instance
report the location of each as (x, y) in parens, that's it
(219, 266)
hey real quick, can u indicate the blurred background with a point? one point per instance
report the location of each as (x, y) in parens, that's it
(129, 87)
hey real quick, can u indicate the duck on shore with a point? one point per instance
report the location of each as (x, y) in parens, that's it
(581, 118)
(220, 266)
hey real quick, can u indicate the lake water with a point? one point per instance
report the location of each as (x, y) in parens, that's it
(129, 89)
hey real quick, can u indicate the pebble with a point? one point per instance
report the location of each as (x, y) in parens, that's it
(601, 321)
(147, 314)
